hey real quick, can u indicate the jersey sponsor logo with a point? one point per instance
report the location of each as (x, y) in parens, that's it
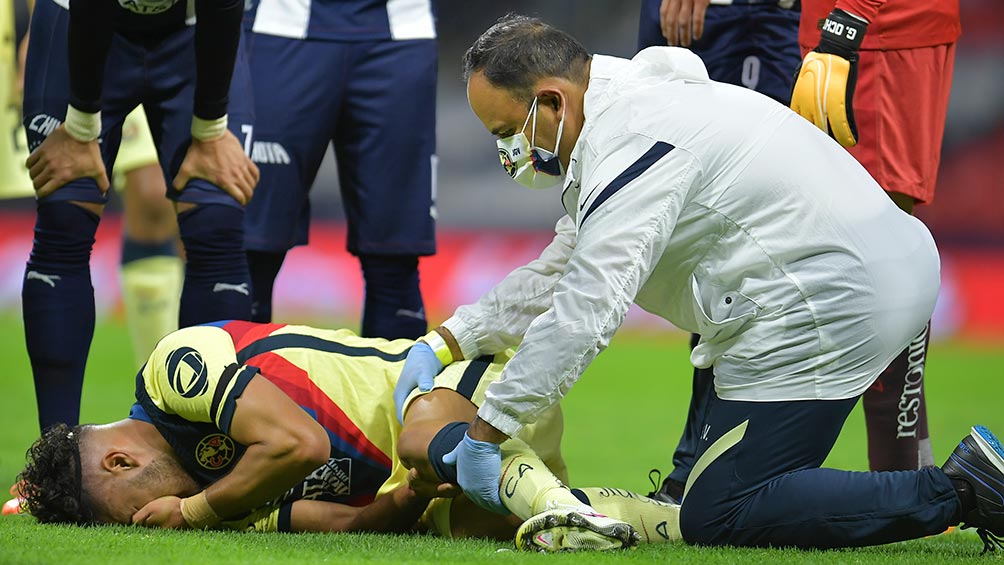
(187, 372)
(43, 124)
(334, 478)
(147, 7)
(269, 153)
(47, 279)
(215, 451)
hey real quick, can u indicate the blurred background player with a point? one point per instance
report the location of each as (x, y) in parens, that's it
(151, 271)
(87, 67)
(741, 42)
(876, 76)
(305, 415)
(361, 75)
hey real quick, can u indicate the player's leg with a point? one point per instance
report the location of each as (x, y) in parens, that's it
(217, 284)
(900, 130)
(151, 270)
(385, 145)
(553, 517)
(293, 126)
(57, 296)
(757, 482)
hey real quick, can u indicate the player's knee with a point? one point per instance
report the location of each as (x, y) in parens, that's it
(64, 234)
(213, 235)
(445, 441)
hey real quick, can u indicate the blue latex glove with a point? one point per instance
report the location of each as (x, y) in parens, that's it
(420, 370)
(479, 471)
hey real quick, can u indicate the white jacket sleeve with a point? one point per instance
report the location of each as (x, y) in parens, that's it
(498, 320)
(631, 199)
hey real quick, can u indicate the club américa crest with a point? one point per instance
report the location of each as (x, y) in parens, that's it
(507, 163)
(215, 451)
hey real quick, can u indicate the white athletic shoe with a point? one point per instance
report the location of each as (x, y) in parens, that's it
(574, 530)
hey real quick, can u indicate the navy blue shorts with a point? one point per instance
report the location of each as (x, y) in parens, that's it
(376, 101)
(751, 45)
(162, 78)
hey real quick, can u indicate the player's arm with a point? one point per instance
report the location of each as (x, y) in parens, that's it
(284, 444)
(71, 151)
(823, 92)
(216, 155)
(396, 511)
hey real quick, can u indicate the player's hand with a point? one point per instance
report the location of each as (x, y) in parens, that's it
(61, 159)
(420, 370)
(163, 512)
(431, 488)
(221, 161)
(479, 471)
(682, 20)
(824, 86)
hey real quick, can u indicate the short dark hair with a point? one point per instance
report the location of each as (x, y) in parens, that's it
(51, 481)
(519, 50)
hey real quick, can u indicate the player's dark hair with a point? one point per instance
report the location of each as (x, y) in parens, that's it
(51, 482)
(518, 51)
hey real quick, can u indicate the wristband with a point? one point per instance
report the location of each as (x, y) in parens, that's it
(438, 346)
(204, 130)
(82, 126)
(841, 34)
(198, 513)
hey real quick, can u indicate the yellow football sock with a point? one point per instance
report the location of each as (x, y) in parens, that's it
(656, 521)
(528, 487)
(151, 292)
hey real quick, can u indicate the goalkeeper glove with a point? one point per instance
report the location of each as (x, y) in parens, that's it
(824, 86)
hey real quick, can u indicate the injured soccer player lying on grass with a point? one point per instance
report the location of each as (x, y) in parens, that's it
(276, 427)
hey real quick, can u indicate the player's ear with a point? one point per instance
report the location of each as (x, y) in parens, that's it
(116, 461)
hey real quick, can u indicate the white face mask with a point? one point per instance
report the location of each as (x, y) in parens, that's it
(527, 164)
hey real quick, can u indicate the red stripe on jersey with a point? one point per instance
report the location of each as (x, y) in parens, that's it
(294, 381)
(245, 333)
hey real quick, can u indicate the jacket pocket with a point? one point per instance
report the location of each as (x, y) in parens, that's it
(721, 313)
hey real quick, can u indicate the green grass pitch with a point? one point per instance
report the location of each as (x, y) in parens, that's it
(622, 419)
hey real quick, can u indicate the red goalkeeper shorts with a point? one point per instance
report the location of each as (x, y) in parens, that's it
(900, 103)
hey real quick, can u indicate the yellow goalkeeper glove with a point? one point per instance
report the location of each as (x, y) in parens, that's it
(824, 86)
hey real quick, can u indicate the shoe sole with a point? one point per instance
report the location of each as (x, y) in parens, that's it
(990, 446)
(565, 527)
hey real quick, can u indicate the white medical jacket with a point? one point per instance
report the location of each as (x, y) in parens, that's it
(728, 215)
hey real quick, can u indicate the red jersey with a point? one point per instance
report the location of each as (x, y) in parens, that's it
(892, 24)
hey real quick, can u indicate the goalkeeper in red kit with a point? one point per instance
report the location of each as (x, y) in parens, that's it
(876, 76)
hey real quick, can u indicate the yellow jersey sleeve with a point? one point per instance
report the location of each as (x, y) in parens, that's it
(193, 373)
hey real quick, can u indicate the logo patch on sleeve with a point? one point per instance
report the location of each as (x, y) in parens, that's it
(187, 373)
(215, 451)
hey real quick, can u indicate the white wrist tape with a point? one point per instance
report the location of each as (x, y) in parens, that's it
(82, 126)
(204, 130)
(439, 347)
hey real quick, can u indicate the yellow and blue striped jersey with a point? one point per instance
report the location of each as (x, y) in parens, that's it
(190, 385)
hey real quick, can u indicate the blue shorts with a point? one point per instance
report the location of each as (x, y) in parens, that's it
(751, 45)
(161, 77)
(376, 101)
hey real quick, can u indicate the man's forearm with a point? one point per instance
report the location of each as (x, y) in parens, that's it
(217, 38)
(89, 39)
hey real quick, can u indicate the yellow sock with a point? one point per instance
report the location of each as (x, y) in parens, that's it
(657, 522)
(528, 487)
(151, 292)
